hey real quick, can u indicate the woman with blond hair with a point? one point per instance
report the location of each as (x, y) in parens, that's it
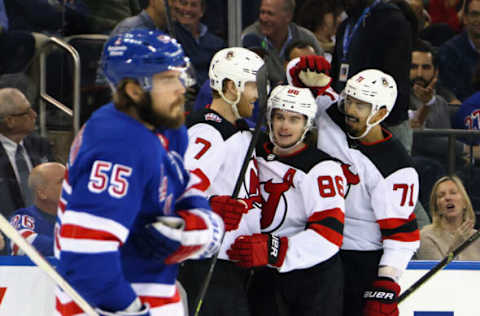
(453, 219)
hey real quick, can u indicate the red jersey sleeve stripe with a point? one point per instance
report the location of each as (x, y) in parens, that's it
(336, 213)
(400, 229)
(79, 232)
(155, 302)
(328, 224)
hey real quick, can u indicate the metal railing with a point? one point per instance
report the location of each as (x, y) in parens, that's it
(452, 137)
(45, 97)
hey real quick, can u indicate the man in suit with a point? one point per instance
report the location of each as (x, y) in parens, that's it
(20, 150)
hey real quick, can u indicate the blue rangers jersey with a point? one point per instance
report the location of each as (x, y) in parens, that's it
(120, 177)
(36, 226)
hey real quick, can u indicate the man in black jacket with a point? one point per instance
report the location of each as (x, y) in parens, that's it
(20, 150)
(376, 35)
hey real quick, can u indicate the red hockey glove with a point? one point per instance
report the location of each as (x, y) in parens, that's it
(381, 299)
(229, 209)
(311, 72)
(258, 250)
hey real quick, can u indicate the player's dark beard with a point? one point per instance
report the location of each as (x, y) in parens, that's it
(159, 120)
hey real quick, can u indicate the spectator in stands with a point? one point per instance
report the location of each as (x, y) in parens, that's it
(36, 222)
(273, 31)
(468, 115)
(423, 18)
(320, 18)
(379, 39)
(298, 49)
(197, 41)
(459, 56)
(453, 222)
(20, 150)
(151, 17)
(428, 108)
(447, 11)
(104, 15)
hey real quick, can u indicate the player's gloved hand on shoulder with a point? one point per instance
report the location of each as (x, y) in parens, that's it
(258, 250)
(230, 210)
(311, 72)
(195, 234)
(381, 298)
(136, 306)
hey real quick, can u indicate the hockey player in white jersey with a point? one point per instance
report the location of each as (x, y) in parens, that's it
(380, 233)
(302, 220)
(127, 216)
(219, 138)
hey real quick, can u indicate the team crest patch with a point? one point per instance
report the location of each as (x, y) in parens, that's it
(230, 55)
(212, 117)
(164, 38)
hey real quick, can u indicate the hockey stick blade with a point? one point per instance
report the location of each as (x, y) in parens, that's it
(37, 258)
(445, 261)
(262, 84)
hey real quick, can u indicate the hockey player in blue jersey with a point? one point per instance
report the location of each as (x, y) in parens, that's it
(127, 214)
(36, 222)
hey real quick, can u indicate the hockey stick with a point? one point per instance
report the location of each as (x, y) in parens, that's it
(438, 267)
(262, 81)
(37, 258)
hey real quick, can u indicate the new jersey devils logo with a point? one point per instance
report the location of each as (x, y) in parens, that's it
(275, 192)
(352, 178)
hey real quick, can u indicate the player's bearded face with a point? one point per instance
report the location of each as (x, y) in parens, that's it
(167, 116)
(163, 106)
(356, 115)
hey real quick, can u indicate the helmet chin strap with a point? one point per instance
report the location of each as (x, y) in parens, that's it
(234, 104)
(369, 127)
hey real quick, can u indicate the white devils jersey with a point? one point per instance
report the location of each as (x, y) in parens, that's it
(382, 193)
(303, 199)
(215, 155)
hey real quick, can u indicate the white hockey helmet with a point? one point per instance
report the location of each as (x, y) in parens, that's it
(292, 99)
(237, 64)
(375, 87)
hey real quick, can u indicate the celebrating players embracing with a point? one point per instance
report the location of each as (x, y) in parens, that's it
(380, 233)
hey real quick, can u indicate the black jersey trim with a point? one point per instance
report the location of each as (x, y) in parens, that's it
(303, 160)
(225, 128)
(409, 227)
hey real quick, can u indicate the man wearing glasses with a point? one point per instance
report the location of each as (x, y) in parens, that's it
(20, 150)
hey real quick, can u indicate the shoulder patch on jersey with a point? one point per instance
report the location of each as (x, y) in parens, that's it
(210, 117)
(213, 117)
